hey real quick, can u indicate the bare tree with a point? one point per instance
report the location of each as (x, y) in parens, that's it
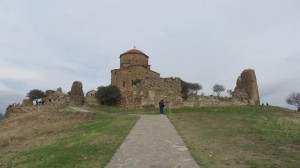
(294, 99)
(188, 88)
(218, 89)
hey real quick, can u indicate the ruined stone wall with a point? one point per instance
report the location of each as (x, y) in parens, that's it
(150, 91)
(77, 97)
(246, 87)
(90, 101)
(27, 106)
(205, 101)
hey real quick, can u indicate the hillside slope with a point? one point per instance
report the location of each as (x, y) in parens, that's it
(36, 128)
(242, 136)
(65, 138)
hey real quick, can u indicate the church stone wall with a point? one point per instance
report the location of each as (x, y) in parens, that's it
(133, 59)
(133, 66)
(124, 78)
(150, 91)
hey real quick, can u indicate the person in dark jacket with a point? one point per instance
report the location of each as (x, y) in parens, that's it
(161, 107)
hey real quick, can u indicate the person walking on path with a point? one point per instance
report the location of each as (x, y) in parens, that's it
(161, 107)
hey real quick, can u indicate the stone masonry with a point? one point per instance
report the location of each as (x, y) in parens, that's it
(133, 68)
(150, 91)
(77, 97)
(246, 87)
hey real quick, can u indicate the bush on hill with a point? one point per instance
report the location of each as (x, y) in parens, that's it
(35, 94)
(188, 88)
(108, 95)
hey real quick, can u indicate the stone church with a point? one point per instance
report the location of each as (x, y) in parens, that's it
(134, 67)
(142, 87)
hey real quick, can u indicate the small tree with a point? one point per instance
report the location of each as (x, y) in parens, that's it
(35, 94)
(189, 88)
(294, 99)
(108, 95)
(218, 89)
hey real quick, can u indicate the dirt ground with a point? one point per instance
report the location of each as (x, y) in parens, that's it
(36, 128)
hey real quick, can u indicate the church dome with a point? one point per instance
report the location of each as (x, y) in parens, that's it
(133, 51)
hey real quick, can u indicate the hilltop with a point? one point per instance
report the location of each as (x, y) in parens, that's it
(257, 136)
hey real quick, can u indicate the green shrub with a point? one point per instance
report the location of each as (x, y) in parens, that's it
(108, 95)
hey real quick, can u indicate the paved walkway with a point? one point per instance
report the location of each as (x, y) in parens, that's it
(153, 143)
(79, 109)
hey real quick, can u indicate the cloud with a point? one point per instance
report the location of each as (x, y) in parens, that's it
(13, 72)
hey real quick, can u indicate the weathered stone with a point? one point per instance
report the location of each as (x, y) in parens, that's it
(150, 91)
(246, 87)
(77, 97)
(134, 67)
(27, 102)
(48, 93)
(90, 101)
(16, 109)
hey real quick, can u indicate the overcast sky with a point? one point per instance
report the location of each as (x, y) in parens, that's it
(52, 43)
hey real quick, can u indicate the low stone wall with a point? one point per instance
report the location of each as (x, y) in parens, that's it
(90, 101)
(27, 106)
(204, 101)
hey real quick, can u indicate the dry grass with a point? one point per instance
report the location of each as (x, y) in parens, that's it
(36, 129)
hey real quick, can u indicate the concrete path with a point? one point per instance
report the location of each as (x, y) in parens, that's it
(153, 143)
(79, 109)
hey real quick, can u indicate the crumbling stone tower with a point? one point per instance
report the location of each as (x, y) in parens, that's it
(77, 97)
(133, 68)
(246, 87)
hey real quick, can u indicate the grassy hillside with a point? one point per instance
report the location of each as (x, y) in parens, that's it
(248, 136)
(85, 139)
